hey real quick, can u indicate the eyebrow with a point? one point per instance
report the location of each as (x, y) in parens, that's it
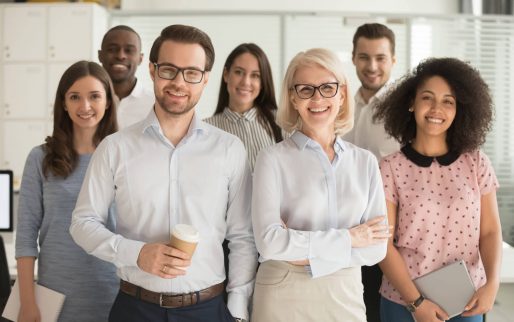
(431, 92)
(76, 92)
(187, 67)
(252, 71)
(109, 45)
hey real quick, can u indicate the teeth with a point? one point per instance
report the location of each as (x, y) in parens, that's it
(177, 94)
(85, 116)
(317, 110)
(119, 66)
(434, 120)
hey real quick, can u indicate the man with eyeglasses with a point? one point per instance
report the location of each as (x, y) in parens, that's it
(120, 56)
(374, 57)
(169, 169)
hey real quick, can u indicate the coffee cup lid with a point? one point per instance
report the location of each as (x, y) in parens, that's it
(186, 233)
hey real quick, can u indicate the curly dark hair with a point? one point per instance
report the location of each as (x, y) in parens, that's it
(474, 113)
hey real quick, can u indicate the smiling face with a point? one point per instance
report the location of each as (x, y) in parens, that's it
(318, 113)
(121, 55)
(177, 97)
(86, 102)
(435, 107)
(373, 60)
(243, 82)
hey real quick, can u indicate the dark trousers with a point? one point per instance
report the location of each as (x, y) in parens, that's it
(371, 279)
(129, 309)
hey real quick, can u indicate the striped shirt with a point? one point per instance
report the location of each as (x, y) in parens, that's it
(252, 129)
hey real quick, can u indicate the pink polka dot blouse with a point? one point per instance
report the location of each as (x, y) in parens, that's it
(438, 220)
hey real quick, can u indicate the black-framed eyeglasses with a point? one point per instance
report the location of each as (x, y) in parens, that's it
(170, 71)
(327, 90)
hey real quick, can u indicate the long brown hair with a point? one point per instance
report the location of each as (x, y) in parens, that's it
(265, 102)
(60, 155)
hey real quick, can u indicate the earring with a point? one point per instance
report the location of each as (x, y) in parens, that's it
(411, 109)
(65, 108)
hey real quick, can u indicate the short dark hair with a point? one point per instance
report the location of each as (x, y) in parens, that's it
(374, 31)
(474, 113)
(61, 158)
(188, 35)
(121, 27)
(265, 102)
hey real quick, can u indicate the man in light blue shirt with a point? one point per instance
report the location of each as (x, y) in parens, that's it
(168, 169)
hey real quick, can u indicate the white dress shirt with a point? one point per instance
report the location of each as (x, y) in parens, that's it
(204, 181)
(136, 106)
(318, 201)
(367, 134)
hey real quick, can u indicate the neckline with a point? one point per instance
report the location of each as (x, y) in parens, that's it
(425, 161)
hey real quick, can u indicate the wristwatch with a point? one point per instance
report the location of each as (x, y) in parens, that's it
(414, 305)
(239, 320)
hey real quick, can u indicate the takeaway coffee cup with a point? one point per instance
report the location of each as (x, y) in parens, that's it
(185, 238)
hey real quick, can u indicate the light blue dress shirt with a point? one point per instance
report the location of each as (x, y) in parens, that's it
(204, 181)
(318, 200)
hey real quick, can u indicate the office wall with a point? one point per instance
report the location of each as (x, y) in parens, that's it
(361, 6)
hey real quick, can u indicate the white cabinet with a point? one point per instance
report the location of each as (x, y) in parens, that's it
(24, 91)
(37, 43)
(24, 33)
(75, 31)
(19, 137)
(55, 71)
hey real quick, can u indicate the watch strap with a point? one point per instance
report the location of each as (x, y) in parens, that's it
(414, 305)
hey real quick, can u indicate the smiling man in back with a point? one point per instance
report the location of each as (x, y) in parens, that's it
(120, 57)
(374, 58)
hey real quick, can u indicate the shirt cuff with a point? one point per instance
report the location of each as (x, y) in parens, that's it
(128, 252)
(238, 305)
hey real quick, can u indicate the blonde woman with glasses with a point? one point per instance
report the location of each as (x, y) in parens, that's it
(318, 206)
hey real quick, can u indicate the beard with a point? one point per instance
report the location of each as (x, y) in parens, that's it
(174, 109)
(372, 87)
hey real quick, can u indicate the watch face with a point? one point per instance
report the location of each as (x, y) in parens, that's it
(411, 307)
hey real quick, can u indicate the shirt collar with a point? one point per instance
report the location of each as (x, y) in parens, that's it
(381, 92)
(249, 115)
(301, 140)
(137, 91)
(196, 126)
(425, 161)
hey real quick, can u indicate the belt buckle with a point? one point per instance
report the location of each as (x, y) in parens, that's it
(161, 305)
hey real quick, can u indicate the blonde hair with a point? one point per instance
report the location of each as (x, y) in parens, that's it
(288, 117)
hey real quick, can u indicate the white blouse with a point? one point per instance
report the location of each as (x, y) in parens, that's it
(318, 201)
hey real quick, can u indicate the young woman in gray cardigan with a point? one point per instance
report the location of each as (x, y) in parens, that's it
(84, 113)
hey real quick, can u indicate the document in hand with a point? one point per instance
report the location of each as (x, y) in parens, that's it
(450, 287)
(49, 301)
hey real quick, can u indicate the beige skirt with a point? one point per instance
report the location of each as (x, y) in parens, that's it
(286, 292)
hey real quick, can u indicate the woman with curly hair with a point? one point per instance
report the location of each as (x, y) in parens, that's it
(84, 113)
(440, 189)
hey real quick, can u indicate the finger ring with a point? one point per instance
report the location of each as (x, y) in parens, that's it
(164, 268)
